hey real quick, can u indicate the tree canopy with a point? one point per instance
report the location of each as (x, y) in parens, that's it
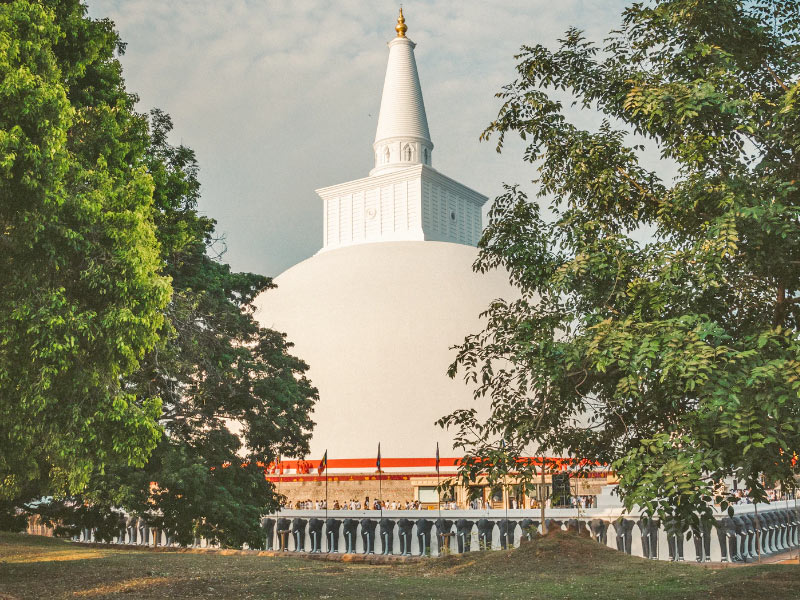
(657, 329)
(133, 375)
(83, 294)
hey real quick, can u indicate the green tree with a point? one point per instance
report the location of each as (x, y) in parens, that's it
(217, 366)
(216, 370)
(82, 298)
(676, 359)
(143, 383)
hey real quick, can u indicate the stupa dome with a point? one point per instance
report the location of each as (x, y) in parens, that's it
(376, 311)
(376, 322)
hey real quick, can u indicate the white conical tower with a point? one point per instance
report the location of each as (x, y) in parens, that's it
(402, 138)
(404, 198)
(376, 311)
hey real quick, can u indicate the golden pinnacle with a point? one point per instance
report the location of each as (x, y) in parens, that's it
(401, 25)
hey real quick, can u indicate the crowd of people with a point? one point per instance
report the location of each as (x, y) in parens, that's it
(773, 495)
(367, 504)
(574, 502)
(375, 504)
(583, 501)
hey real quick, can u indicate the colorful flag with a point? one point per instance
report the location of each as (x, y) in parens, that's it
(378, 462)
(437, 457)
(323, 464)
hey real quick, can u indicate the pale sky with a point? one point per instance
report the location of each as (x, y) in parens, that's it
(278, 98)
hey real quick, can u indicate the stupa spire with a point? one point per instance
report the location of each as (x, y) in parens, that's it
(402, 138)
(401, 25)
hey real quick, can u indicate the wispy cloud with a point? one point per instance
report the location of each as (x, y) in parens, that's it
(279, 98)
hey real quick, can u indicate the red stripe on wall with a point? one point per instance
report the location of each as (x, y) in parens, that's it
(307, 478)
(386, 477)
(366, 463)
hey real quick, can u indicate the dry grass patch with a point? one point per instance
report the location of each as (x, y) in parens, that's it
(557, 566)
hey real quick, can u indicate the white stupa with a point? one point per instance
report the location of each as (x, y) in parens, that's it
(376, 311)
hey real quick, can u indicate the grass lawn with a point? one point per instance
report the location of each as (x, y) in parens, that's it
(560, 566)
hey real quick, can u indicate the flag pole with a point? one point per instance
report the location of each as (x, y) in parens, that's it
(507, 489)
(280, 505)
(438, 482)
(439, 494)
(380, 482)
(541, 496)
(326, 485)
